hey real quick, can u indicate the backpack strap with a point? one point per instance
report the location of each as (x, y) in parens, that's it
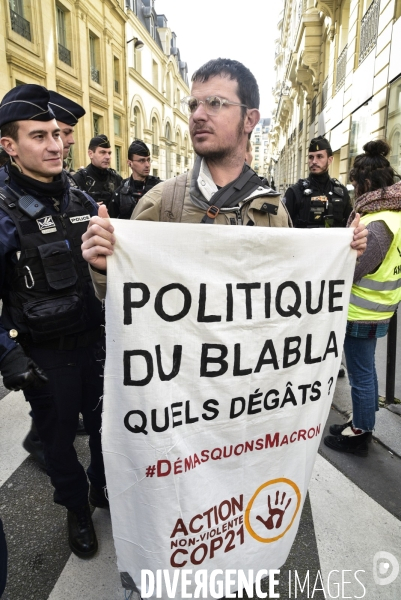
(172, 200)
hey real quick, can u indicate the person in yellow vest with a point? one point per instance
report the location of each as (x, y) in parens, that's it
(375, 294)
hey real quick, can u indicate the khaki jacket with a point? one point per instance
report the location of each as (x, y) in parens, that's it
(149, 209)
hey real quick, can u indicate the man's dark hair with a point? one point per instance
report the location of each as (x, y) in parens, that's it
(10, 130)
(3, 157)
(371, 170)
(248, 89)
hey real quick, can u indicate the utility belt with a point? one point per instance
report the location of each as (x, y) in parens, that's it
(66, 342)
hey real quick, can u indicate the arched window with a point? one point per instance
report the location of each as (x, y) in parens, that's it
(155, 138)
(137, 123)
(168, 151)
(178, 151)
(168, 87)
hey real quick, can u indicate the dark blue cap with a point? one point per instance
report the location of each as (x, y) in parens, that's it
(65, 110)
(24, 103)
(99, 140)
(138, 147)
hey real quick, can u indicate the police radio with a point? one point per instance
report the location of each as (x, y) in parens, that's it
(31, 207)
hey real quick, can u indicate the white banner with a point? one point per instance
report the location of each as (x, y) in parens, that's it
(223, 348)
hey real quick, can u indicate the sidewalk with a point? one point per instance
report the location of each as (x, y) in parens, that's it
(388, 423)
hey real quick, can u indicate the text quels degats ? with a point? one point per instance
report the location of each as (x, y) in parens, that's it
(216, 359)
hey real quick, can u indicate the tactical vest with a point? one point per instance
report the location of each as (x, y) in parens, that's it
(126, 200)
(320, 210)
(375, 297)
(99, 190)
(48, 292)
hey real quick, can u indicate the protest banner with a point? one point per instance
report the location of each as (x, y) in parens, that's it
(223, 348)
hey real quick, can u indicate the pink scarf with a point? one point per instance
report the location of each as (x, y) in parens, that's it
(388, 198)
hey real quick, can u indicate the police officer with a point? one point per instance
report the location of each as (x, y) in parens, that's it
(98, 179)
(127, 195)
(67, 114)
(319, 200)
(51, 326)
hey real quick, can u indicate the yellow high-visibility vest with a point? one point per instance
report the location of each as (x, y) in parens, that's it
(375, 297)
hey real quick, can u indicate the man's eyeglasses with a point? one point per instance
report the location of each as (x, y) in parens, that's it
(212, 104)
(142, 161)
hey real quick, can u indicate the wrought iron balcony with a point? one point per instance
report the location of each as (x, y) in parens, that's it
(341, 66)
(64, 54)
(325, 92)
(95, 75)
(20, 25)
(155, 150)
(369, 28)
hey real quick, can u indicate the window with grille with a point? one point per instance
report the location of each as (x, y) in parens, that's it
(64, 53)
(117, 125)
(117, 150)
(94, 62)
(18, 23)
(117, 76)
(97, 124)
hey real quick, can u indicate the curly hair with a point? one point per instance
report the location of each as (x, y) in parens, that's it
(371, 170)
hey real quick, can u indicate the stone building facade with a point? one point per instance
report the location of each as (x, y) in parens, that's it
(338, 75)
(82, 49)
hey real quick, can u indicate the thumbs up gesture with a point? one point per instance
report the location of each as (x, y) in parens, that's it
(98, 241)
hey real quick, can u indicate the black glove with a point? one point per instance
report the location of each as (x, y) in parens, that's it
(19, 371)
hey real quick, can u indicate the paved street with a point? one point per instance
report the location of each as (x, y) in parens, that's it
(353, 511)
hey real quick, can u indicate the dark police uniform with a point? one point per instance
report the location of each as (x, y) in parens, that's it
(98, 183)
(126, 197)
(69, 112)
(49, 300)
(50, 310)
(319, 200)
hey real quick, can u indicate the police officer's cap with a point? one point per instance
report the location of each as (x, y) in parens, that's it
(25, 103)
(319, 143)
(138, 147)
(66, 110)
(99, 140)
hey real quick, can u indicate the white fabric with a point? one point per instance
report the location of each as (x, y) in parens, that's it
(205, 181)
(270, 451)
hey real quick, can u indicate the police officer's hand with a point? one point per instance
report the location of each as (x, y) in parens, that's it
(360, 238)
(19, 371)
(98, 240)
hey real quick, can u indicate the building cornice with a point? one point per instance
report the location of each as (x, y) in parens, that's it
(113, 5)
(28, 67)
(327, 7)
(138, 77)
(99, 101)
(69, 87)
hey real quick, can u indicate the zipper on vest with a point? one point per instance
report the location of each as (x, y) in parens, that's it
(233, 209)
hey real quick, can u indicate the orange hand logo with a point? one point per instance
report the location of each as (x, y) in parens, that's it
(283, 502)
(275, 512)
